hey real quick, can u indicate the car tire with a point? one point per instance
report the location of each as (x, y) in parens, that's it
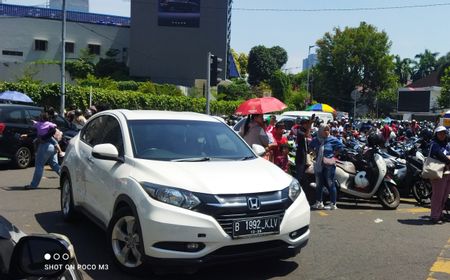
(67, 204)
(125, 242)
(22, 157)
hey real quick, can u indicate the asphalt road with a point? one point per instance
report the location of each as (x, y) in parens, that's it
(355, 242)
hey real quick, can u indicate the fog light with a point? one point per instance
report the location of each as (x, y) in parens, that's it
(298, 232)
(192, 246)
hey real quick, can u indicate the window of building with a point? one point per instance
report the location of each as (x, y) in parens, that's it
(40, 45)
(13, 53)
(70, 47)
(94, 49)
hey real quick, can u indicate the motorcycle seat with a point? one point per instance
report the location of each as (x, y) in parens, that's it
(347, 166)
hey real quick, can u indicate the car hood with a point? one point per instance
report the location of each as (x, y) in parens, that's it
(214, 177)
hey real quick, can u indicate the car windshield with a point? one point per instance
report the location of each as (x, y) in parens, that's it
(190, 141)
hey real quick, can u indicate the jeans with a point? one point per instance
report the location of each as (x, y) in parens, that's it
(326, 178)
(45, 155)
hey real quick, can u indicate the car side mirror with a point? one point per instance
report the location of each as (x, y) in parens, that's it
(106, 152)
(258, 149)
(46, 255)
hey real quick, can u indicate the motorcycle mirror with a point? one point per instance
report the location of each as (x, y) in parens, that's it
(41, 256)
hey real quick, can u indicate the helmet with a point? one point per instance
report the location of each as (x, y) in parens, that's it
(78, 112)
(361, 180)
(375, 140)
(88, 113)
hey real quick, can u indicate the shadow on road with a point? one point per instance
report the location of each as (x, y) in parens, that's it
(91, 248)
(422, 221)
(21, 188)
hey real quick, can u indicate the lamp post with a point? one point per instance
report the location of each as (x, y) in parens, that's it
(309, 68)
(63, 58)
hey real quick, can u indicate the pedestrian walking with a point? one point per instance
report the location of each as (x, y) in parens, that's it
(440, 150)
(301, 154)
(326, 148)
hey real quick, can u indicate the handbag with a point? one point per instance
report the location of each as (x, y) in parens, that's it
(432, 168)
(308, 161)
(329, 161)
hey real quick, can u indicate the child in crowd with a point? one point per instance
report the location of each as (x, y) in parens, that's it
(282, 160)
(47, 131)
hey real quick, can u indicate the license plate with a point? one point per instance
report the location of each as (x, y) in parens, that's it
(256, 226)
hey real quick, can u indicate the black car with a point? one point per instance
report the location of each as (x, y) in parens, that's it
(40, 256)
(16, 120)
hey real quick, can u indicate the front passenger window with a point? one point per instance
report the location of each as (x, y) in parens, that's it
(113, 134)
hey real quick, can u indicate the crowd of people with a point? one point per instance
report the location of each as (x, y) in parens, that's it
(327, 140)
(48, 137)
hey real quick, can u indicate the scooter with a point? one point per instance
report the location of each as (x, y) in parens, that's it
(367, 177)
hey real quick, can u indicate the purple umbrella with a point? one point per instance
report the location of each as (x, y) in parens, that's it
(15, 96)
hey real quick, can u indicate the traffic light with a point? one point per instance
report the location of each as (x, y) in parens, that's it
(215, 70)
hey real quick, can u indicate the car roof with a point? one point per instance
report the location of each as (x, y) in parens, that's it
(9, 105)
(163, 115)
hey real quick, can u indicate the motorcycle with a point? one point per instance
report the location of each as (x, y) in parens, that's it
(365, 176)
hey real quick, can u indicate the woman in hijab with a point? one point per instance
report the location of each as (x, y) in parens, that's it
(326, 148)
(440, 150)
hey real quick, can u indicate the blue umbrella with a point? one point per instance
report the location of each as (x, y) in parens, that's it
(15, 96)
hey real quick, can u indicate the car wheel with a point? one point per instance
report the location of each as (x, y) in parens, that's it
(22, 158)
(125, 241)
(67, 203)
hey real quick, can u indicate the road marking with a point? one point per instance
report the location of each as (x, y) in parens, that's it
(441, 267)
(322, 213)
(416, 210)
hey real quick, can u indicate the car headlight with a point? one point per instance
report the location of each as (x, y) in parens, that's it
(172, 196)
(294, 189)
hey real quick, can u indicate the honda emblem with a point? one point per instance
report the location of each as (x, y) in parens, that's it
(253, 203)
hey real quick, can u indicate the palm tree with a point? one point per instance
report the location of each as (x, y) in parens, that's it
(425, 63)
(403, 69)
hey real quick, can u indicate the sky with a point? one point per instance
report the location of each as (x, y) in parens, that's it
(410, 30)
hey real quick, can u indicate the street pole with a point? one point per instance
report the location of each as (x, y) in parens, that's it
(208, 83)
(307, 79)
(63, 59)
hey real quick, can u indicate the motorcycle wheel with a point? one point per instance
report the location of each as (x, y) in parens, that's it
(421, 190)
(389, 196)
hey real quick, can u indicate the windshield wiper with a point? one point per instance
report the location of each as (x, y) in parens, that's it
(247, 158)
(194, 159)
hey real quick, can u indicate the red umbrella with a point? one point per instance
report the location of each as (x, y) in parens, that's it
(260, 106)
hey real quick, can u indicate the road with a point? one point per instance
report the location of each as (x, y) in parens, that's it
(360, 241)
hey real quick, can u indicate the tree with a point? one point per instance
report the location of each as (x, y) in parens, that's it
(263, 62)
(238, 89)
(242, 61)
(110, 67)
(403, 69)
(444, 99)
(297, 100)
(281, 86)
(350, 58)
(427, 63)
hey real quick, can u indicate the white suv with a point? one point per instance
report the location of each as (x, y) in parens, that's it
(180, 189)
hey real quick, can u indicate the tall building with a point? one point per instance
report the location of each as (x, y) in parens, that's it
(71, 5)
(170, 40)
(310, 62)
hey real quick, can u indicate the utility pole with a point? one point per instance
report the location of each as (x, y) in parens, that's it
(208, 83)
(309, 68)
(63, 58)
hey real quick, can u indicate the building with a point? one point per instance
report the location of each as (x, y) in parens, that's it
(170, 39)
(310, 62)
(71, 5)
(39, 35)
(419, 100)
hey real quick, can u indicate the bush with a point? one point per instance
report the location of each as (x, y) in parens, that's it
(49, 95)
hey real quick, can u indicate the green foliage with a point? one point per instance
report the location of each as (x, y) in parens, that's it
(49, 94)
(128, 85)
(87, 56)
(79, 68)
(297, 100)
(263, 62)
(242, 61)
(353, 57)
(281, 86)
(444, 98)
(298, 80)
(426, 65)
(403, 69)
(238, 89)
(387, 101)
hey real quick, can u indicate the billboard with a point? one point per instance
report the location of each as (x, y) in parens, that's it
(413, 101)
(179, 13)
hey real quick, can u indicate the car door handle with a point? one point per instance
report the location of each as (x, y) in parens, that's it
(90, 159)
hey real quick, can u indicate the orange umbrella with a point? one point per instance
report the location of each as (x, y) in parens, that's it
(260, 106)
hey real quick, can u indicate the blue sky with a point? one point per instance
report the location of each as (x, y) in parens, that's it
(410, 30)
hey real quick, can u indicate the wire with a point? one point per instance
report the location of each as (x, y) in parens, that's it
(343, 9)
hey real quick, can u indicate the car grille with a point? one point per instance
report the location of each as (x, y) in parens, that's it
(226, 220)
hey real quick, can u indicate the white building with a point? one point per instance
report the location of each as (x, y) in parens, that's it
(71, 5)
